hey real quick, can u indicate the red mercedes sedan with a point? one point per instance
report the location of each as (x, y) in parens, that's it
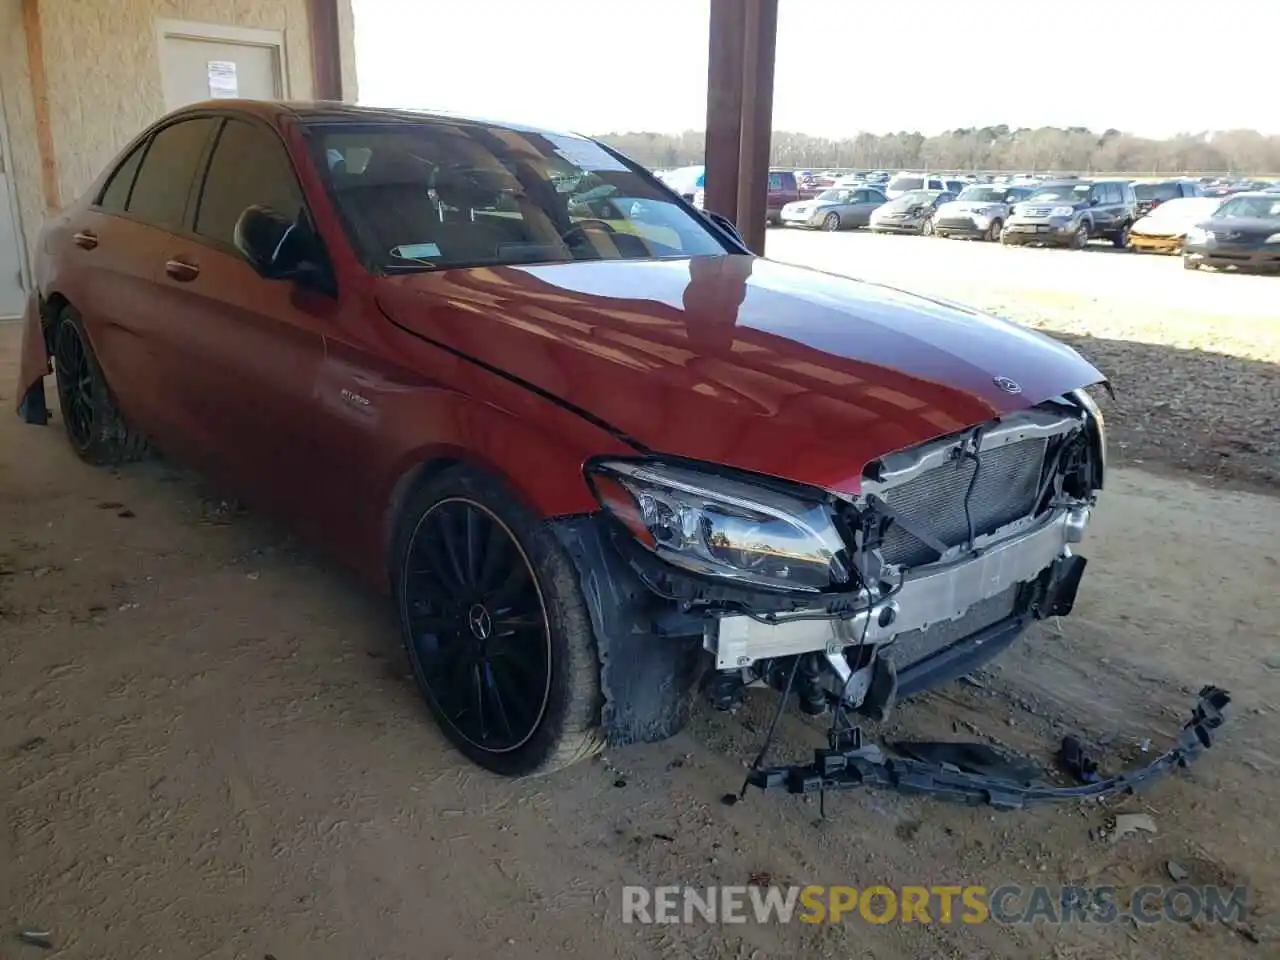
(594, 449)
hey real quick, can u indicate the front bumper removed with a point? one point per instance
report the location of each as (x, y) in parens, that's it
(976, 774)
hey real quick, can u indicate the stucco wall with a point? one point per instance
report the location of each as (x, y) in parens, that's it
(103, 71)
(15, 86)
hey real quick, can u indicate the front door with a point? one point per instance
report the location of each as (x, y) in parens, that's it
(195, 68)
(12, 297)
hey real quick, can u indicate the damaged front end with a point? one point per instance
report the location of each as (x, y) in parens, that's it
(944, 556)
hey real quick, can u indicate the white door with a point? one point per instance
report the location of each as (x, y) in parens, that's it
(12, 296)
(201, 68)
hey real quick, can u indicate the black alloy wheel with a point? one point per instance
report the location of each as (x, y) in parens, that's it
(479, 625)
(95, 427)
(75, 378)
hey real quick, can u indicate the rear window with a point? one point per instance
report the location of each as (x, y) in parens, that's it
(1157, 191)
(164, 181)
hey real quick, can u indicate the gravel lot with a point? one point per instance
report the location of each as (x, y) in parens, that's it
(210, 747)
(1194, 357)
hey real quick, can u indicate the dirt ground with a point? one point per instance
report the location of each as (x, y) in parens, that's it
(210, 747)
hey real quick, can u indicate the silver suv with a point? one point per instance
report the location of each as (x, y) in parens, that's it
(1070, 213)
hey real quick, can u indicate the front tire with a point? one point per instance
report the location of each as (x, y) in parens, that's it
(831, 222)
(1121, 237)
(926, 228)
(496, 627)
(1189, 264)
(995, 231)
(1080, 239)
(95, 428)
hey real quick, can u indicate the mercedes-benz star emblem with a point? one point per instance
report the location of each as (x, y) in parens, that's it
(480, 622)
(1007, 385)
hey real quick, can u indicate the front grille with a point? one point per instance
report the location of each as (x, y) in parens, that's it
(1005, 491)
(1037, 211)
(910, 648)
(955, 223)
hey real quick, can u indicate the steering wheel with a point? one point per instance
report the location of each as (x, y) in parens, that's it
(579, 228)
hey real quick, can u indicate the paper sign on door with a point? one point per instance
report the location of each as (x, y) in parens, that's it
(222, 80)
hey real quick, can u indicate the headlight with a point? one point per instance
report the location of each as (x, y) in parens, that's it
(1274, 238)
(721, 527)
(1091, 407)
(1198, 235)
(1062, 211)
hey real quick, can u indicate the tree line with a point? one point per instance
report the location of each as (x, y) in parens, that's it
(1074, 149)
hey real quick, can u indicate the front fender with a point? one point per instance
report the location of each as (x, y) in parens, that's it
(34, 365)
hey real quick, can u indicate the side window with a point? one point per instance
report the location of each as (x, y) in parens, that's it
(1098, 193)
(775, 181)
(249, 166)
(164, 180)
(115, 195)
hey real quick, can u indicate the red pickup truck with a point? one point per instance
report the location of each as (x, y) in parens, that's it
(783, 189)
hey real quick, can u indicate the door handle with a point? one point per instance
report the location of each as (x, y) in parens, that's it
(86, 239)
(181, 270)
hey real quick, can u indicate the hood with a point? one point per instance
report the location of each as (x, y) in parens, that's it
(970, 206)
(739, 360)
(1247, 228)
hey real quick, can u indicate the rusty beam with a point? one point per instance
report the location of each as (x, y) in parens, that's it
(326, 49)
(40, 106)
(759, 47)
(724, 107)
(743, 41)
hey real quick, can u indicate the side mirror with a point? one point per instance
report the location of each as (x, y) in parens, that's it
(1094, 200)
(275, 246)
(725, 224)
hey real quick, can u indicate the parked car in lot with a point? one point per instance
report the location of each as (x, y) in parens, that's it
(1243, 233)
(912, 212)
(1164, 228)
(1070, 213)
(907, 182)
(1152, 193)
(588, 464)
(979, 212)
(837, 208)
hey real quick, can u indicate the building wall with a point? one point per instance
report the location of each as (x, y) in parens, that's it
(103, 69)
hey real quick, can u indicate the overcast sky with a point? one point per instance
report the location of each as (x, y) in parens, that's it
(1150, 67)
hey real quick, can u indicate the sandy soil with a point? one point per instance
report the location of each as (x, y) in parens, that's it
(210, 747)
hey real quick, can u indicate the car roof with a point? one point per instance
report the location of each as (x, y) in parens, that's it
(332, 111)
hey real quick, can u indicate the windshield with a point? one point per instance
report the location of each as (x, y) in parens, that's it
(835, 196)
(906, 183)
(984, 194)
(914, 198)
(1260, 208)
(423, 196)
(1071, 192)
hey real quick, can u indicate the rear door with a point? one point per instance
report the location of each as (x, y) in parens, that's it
(251, 348)
(115, 248)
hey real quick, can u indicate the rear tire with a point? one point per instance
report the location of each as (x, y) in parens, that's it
(95, 428)
(530, 697)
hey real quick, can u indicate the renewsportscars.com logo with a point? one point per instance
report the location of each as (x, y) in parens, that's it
(1010, 904)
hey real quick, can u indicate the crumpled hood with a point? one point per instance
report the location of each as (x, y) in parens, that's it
(737, 359)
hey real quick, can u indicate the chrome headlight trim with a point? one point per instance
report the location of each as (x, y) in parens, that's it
(710, 522)
(1099, 422)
